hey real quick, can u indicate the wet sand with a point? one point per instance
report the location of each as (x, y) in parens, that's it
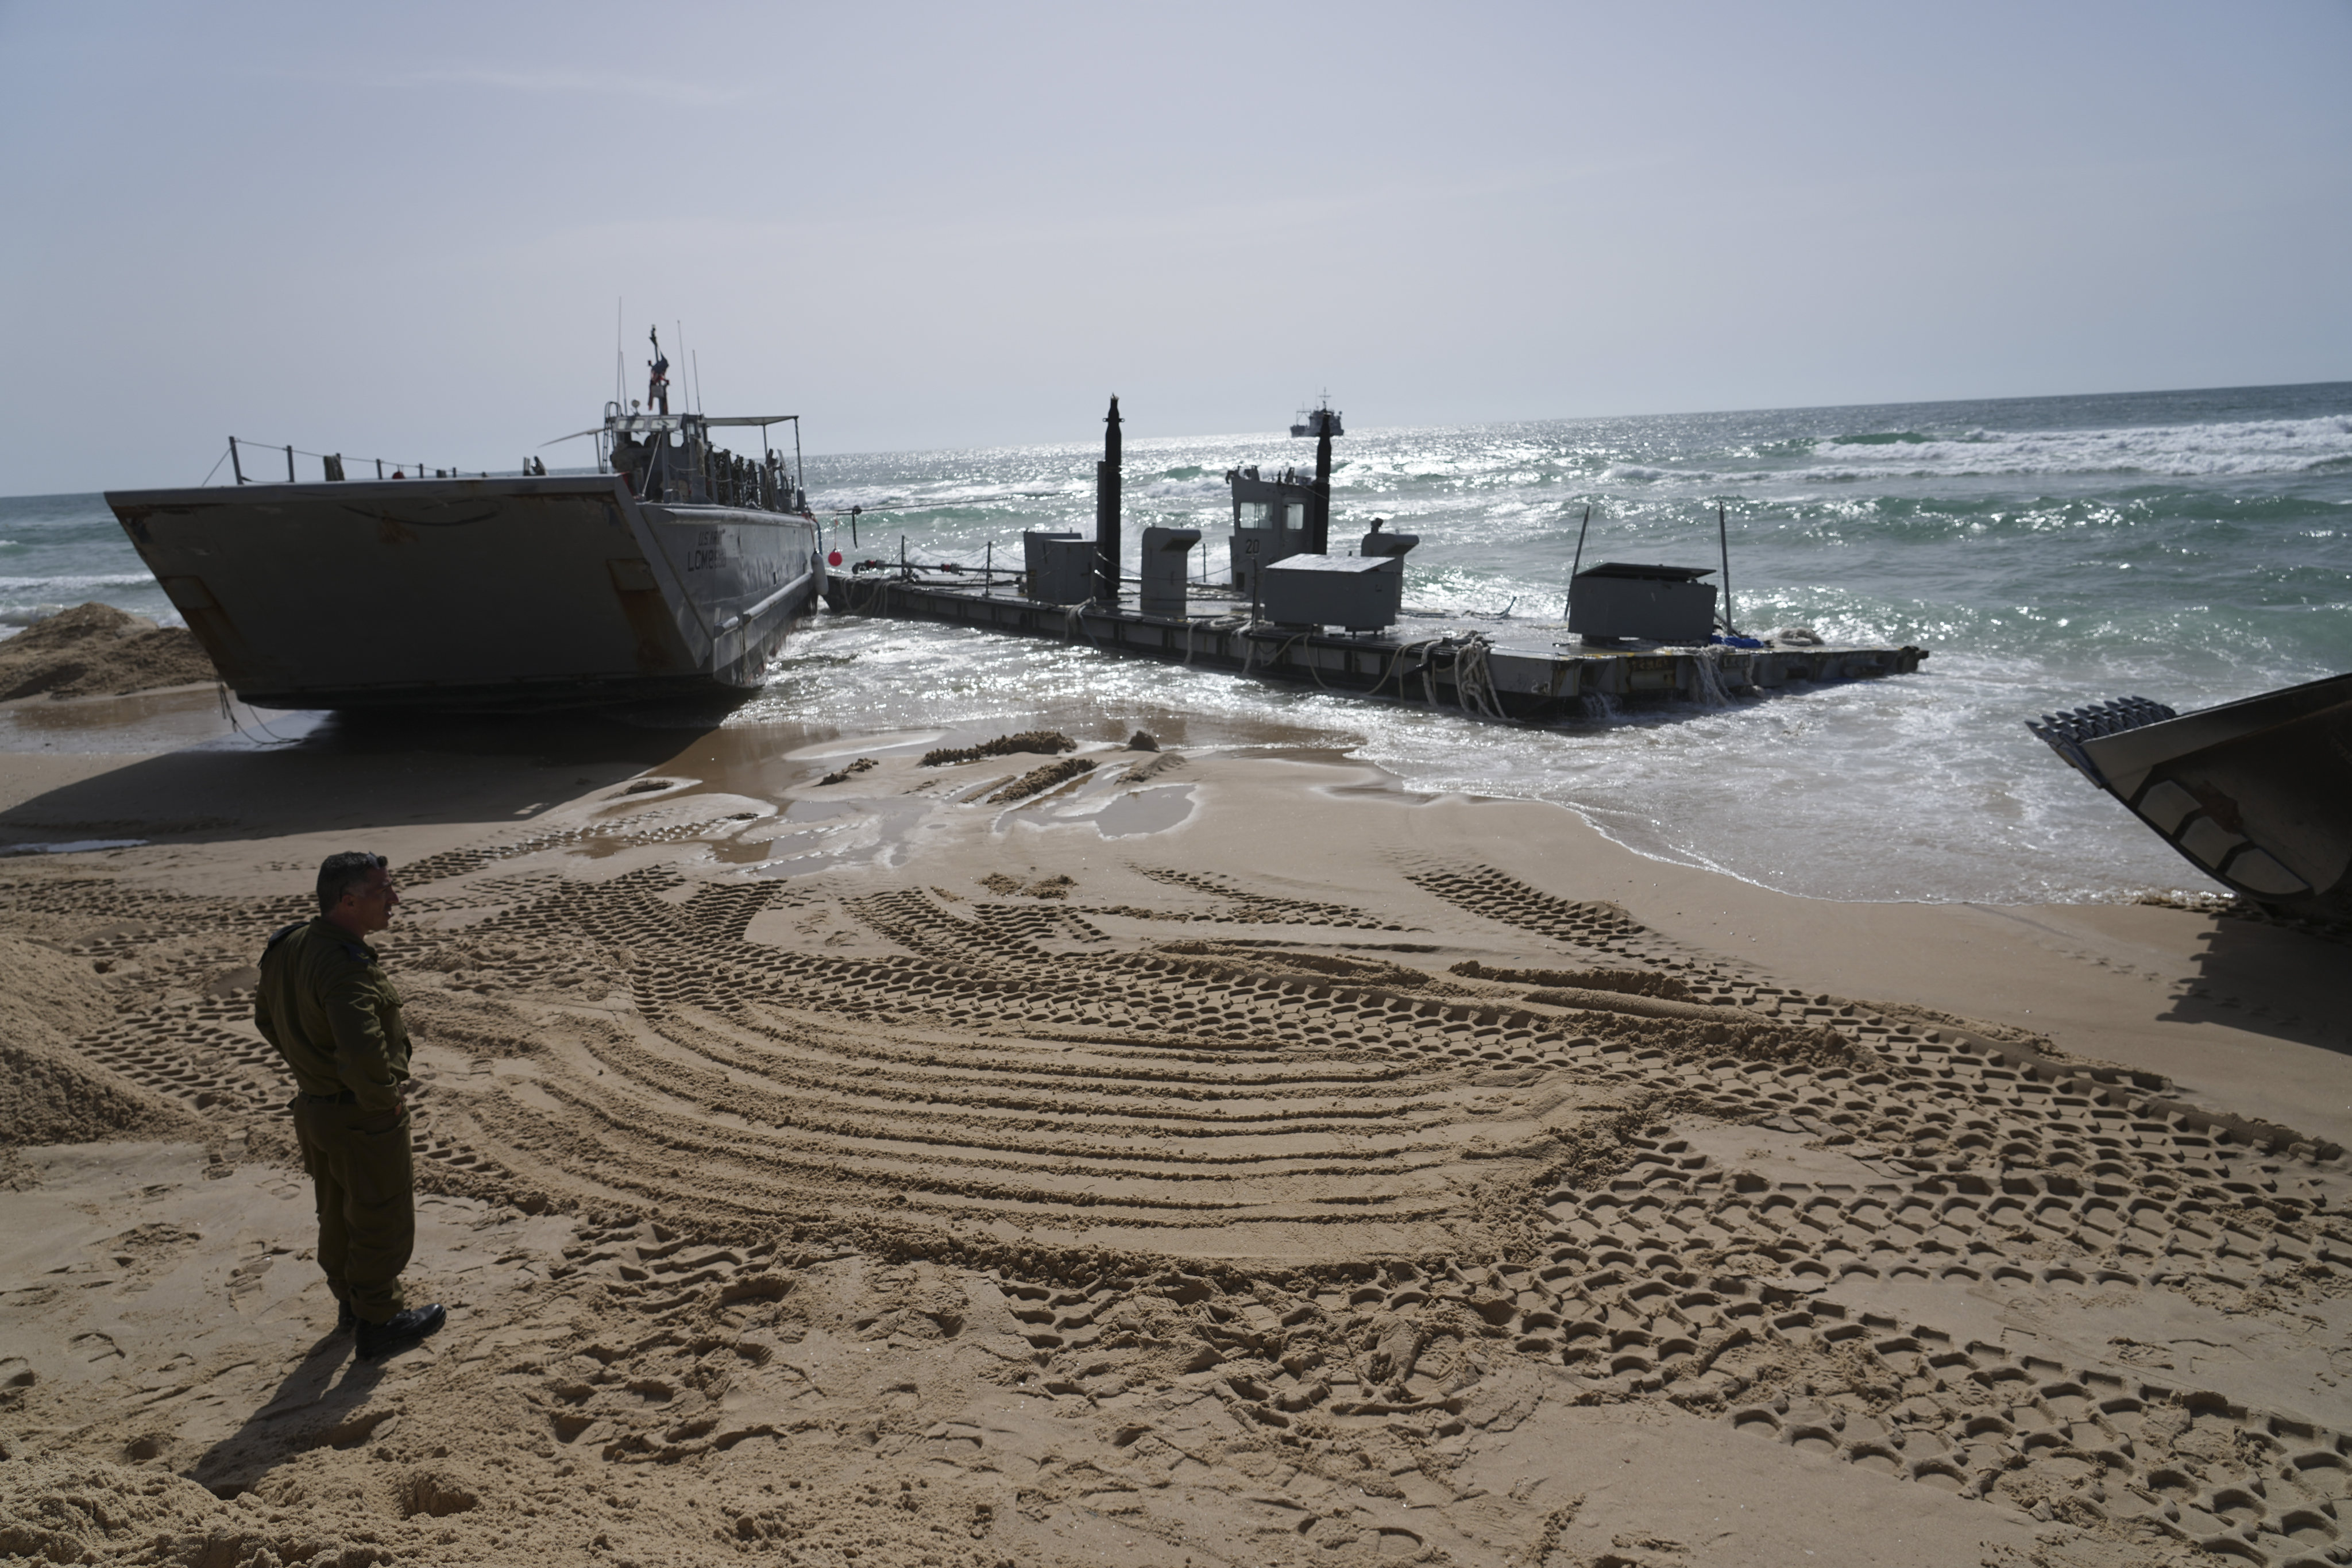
(1221, 1157)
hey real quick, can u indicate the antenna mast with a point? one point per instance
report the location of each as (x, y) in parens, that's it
(1723, 538)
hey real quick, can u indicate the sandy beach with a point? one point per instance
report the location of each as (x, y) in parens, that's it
(1213, 1154)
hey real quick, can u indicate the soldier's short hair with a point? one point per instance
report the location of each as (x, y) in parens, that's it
(340, 874)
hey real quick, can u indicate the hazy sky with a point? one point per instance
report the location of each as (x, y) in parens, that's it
(401, 230)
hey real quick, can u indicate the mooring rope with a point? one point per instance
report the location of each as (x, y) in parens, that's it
(1395, 667)
(1283, 652)
(1314, 668)
(1473, 679)
(1213, 623)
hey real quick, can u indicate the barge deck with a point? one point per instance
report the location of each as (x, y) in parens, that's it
(1500, 669)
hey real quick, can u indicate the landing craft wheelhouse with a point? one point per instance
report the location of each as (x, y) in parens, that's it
(677, 567)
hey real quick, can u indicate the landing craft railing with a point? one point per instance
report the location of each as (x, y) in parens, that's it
(717, 478)
(723, 478)
(334, 466)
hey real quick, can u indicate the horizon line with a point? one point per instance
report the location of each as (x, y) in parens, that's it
(1469, 425)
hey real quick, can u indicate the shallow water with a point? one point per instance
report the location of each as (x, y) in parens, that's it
(2190, 547)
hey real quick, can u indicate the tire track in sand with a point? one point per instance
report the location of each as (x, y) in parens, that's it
(1795, 1225)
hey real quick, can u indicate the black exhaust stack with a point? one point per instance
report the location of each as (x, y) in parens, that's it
(1107, 499)
(1319, 510)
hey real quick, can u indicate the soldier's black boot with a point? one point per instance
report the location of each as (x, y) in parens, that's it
(405, 1329)
(345, 1318)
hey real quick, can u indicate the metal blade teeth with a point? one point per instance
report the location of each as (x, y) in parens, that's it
(2112, 717)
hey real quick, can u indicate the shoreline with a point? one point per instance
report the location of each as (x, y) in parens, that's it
(1238, 1157)
(2134, 981)
(186, 715)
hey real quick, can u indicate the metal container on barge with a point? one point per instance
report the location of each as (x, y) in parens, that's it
(676, 568)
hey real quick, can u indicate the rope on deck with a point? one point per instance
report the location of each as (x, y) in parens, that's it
(1396, 667)
(1473, 679)
(1218, 623)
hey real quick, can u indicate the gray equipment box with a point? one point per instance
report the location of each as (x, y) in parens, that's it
(1061, 567)
(1653, 604)
(1360, 592)
(1167, 552)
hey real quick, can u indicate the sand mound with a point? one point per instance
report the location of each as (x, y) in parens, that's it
(55, 1509)
(54, 991)
(1047, 741)
(49, 1092)
(97, 650)
(62, 1511)
(1038, 780)
(840, 774)
(1055, 887)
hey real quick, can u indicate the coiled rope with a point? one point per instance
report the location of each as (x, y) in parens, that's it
(1473, 679)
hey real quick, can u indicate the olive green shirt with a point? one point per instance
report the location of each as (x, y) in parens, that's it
(325, 1002)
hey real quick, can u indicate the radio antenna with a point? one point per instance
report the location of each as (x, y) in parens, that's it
(1723, 538)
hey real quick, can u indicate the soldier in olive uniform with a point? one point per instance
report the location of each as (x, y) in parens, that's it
(326, 1004)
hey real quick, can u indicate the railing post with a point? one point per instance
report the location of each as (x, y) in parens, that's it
(289, 462)
(236, 465)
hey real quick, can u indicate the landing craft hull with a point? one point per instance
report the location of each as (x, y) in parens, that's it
(473, 593)
(2254, 792)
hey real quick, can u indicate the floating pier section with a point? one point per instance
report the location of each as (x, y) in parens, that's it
(1295, 612)
(1513, 670)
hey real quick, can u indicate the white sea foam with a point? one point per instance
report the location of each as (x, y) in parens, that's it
(76, 847)
(2172, 451)
(75, 582)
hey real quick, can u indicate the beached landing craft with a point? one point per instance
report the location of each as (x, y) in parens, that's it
(1293, 611)
(2252, 793)
(677, 567)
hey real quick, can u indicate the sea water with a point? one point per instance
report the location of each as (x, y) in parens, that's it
(2191, 547)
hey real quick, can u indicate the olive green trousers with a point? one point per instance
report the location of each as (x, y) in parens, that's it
(362, 1175)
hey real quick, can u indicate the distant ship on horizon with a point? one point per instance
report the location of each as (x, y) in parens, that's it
(1309, 420)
